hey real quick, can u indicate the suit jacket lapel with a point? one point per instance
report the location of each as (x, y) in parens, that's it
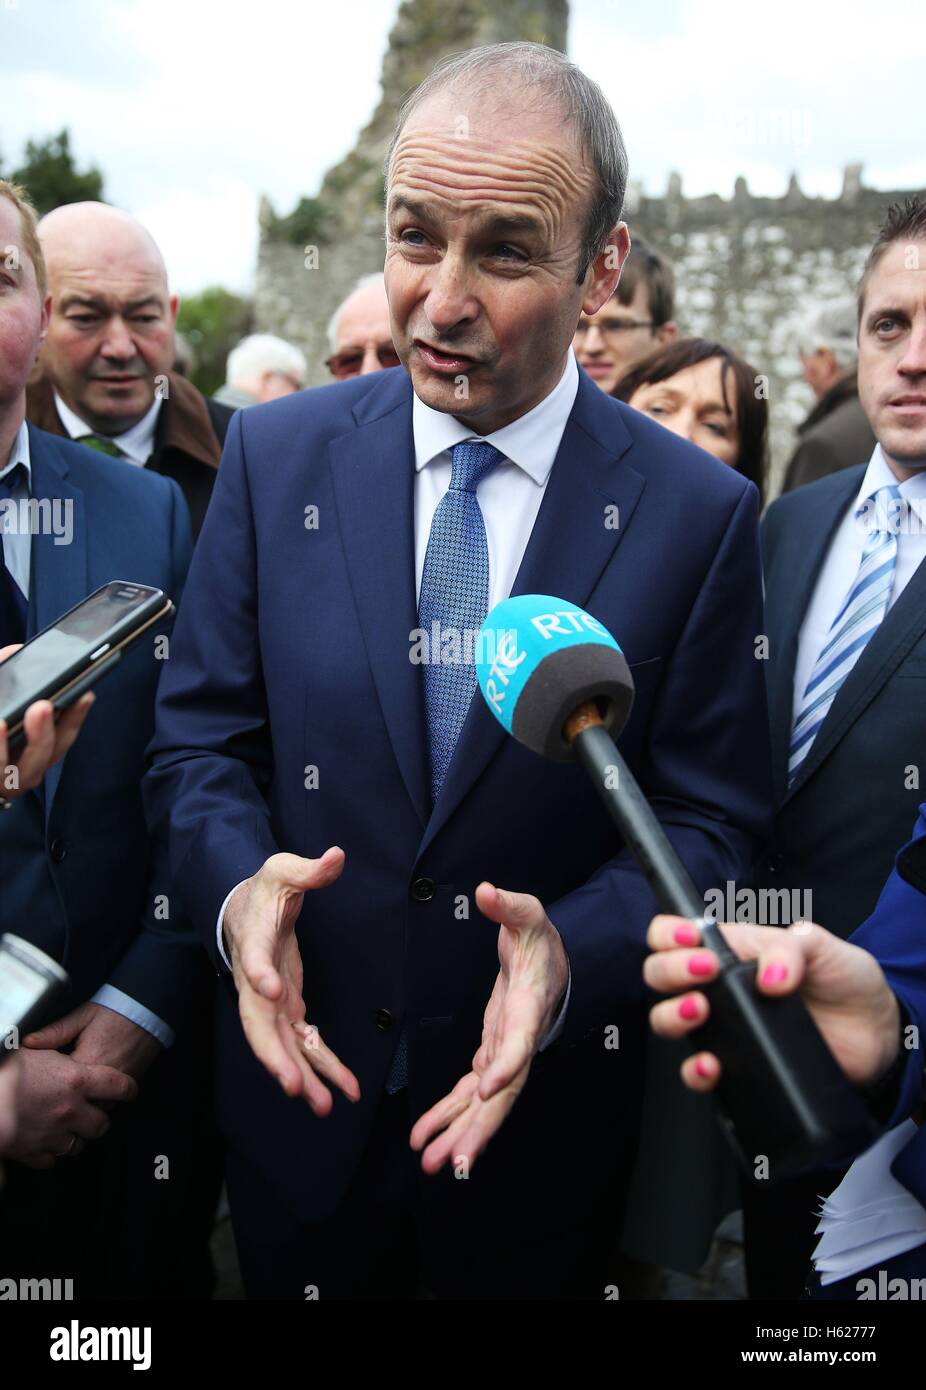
(372, 470)
(903, 626)
(808, 549)
(58, 571)
(569, 548)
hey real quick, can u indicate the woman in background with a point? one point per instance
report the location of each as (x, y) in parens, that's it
(704, 392)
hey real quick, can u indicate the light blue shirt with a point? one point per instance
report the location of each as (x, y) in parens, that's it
(17, 553)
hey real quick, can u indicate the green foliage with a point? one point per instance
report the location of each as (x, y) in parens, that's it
(51, 178)
(309, 224)
(213, 322)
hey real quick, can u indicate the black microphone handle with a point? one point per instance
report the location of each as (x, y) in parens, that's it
(785, 1103)
(644, 836)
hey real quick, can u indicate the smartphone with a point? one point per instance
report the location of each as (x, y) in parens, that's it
(31, 985)
(71, 655)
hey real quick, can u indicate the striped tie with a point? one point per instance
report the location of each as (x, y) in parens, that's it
(854, 625)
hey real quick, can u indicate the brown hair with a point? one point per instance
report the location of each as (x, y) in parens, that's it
(646, 267)
(28, 221)
(750, 409)
(904, 222)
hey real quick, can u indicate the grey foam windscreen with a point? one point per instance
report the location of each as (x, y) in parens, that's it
(565, 679)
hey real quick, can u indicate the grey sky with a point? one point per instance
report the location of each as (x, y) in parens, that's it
(192, 108)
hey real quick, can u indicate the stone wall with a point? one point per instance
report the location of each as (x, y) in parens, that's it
(749, 269)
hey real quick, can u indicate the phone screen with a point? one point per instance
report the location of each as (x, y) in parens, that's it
(73, 637)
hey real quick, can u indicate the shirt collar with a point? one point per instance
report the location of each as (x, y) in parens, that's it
(878, 474)
(531, 441)
(136, 443)
(20, 454)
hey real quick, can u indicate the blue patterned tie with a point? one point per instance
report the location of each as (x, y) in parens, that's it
(455, 597)
(12, 599)
(854, 625)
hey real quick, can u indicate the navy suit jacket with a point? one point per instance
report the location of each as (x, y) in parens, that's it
(76, 874)
(854, 798)
(895, 934)
(290, 666)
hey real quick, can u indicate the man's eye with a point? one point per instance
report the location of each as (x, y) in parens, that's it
(513, 252)
(81, 318)
(146, 318)
(889, 324)
(410, 232)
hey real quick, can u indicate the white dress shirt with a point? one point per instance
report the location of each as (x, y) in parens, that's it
(509, 497)
(137, 443)
(844, 557)
(17, 553)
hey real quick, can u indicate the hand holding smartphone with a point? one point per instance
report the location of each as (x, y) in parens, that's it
(59, 665)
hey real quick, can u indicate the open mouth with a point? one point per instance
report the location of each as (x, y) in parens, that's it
(448, 362)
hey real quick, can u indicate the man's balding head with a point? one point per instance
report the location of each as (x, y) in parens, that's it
(505, 178)
(112, 324)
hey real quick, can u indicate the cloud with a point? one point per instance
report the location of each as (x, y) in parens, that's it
(193, 108)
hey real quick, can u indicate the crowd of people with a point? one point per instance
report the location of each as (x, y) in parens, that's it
(328, 933)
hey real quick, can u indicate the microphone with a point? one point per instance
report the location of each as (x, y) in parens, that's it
(559, 683)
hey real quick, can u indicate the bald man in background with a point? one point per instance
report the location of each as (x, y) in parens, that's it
(106, 379)
(360, 333)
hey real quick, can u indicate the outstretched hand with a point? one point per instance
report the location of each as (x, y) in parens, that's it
(533, 974)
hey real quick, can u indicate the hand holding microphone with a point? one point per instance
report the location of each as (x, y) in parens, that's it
(559, 683)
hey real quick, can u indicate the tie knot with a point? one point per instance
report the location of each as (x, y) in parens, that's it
(883, 512)
(102, 445)
(470, 462)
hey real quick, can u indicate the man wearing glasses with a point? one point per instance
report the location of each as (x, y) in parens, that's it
(634, 321)
(359, 333)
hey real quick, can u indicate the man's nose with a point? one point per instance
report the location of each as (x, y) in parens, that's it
(594, 339)
(117, 341)
(448, 301)
(370, 359)
(913, 362)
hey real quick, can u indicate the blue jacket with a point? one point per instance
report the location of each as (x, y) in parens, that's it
(291, 718)
(895, 934)
(76, 873)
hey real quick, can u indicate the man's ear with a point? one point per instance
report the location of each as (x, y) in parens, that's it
(173, 305)
(605, 270)
(45, 319)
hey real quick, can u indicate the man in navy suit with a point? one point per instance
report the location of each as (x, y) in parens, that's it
(351, 528)
(866, 995)
(845, 600)
(78, 876)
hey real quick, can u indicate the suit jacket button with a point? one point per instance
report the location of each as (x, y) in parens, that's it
(383, 1019)
(423, 890)
(57, 849)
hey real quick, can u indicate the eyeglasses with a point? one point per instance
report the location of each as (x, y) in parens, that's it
(612, 328)
(349, 363)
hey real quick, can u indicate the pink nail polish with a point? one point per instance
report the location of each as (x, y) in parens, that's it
(685, 936)
(774, 974)
(688, 1008)
(701, 965)
(702, 1068)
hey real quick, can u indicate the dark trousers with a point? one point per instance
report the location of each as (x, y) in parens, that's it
(779, 1234)
(513, 1229)
(131, 1216)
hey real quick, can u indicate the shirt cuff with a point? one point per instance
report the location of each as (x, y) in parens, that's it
(557, 1026)
(219, 940)
(124, 1004)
